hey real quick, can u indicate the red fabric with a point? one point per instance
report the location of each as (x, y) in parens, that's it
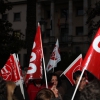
(0, 74)
(91, 61)
(73, 67)
(10, 71)
(35, 65)
(32, 91)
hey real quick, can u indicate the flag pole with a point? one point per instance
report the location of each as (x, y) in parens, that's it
(20, 81)
(43, 61)
(84, 68)
(45, 72)
(78, 83)
(71, 64)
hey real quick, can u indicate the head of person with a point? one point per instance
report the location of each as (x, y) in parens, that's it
(76, 77)
(38, 82)
(45, 94)
(3, 89)
(53, 78)
(10, 89)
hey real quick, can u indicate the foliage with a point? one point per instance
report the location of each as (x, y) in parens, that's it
(93, 12)
(10, 42)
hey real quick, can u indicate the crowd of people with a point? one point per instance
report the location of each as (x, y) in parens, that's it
(58, 89)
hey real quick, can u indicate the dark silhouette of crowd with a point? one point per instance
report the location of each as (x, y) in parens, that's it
(91, 91)
(59, 88)
(3, 89)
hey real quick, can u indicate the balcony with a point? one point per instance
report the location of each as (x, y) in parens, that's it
(69, 39)
(80, 39)
(66, 38)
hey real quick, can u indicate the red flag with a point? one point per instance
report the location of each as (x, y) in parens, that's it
(73, 67)
(91, 61)
(35, 65)
(0, 74)
(10, 69)
(55, 57)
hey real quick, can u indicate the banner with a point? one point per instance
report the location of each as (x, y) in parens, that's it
(55, 57)
(73, 67)
(35, 64)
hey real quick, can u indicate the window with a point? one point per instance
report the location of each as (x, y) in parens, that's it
(48, 33)
(64, 13)
(64, 33)
(17, 17)
(79, 11)
(48, 14)
(5, 16)
(79, 30)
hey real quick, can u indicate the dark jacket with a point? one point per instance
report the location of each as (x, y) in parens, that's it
(69, 94)
(19, 95)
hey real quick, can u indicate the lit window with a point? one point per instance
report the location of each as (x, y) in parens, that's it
(17, 17)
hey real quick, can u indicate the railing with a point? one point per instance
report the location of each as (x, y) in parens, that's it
(70, 38)
(80, 39)
(64, 38)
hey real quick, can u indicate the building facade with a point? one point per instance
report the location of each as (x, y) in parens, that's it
(62, 19)
(65, 20)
